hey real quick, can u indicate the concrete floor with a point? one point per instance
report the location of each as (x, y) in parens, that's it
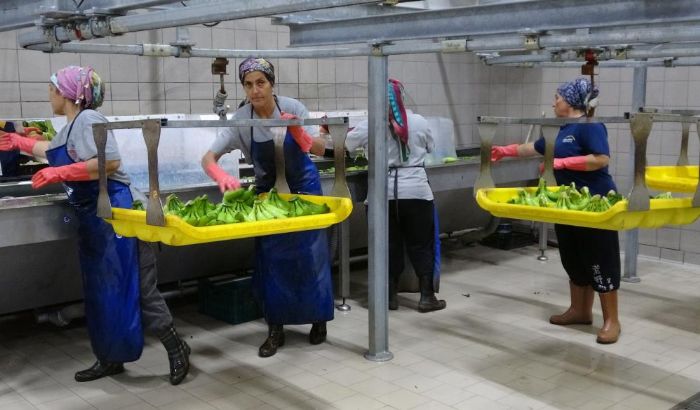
(492, 348)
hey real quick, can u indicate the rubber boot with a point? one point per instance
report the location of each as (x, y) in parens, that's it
(318, 333)
(611, 329)
(393, 295)
(98, 371)
(428, 302)
(178, 355)
(581, 310)
(275, 339)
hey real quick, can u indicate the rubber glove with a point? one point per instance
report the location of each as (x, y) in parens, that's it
(11, 141)
(302, 138)
(226, 182)
(52, 175)
(572, 163)
(499, 152)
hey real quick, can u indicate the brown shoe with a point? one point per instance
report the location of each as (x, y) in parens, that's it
(609, 333)
(570, 318)
(611, 329)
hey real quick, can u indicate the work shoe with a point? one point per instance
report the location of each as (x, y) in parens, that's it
(318, 333)
(98, 371)
(178, 355)
(275, 339)
(428, 302)
(570, 318)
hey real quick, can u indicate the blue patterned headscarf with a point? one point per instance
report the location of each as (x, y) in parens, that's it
(251, 64)
(578, 93)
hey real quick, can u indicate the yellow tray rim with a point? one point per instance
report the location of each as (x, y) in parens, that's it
(674, 211)
(672, 178)
(176, 232)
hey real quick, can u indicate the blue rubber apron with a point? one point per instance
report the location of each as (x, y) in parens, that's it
(110, 268)
(292, 277)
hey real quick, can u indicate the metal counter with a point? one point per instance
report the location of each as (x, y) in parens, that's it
(38, 246)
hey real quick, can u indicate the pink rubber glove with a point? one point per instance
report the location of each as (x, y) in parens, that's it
(226, 182)
(572, 163)
(499, 152)
(302, 138)
(11, 141)
(52, 175)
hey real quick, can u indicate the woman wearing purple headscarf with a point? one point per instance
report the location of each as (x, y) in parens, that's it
(119, 274)
(292, 274)
(591, 257)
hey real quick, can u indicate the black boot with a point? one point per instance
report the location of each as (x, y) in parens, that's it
(428, 301)
(275, 339)
(318, 333)
(178, 355)
(393, 296)
(98, 371)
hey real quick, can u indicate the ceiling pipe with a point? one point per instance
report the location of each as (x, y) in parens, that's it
(619, 36)
(669, 62)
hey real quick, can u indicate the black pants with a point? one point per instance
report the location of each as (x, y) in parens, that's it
(411, 223)
(155, 314)
(591, 257)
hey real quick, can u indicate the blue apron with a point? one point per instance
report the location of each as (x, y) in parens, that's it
(110, 269)
(293, 271)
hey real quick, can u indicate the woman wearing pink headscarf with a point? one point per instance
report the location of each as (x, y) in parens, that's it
(119, 274)
(412, 217)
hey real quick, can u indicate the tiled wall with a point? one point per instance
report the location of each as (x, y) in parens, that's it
(457, 86)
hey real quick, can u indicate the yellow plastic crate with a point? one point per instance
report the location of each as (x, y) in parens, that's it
(674, 179)
(674, 211)
(176, 232)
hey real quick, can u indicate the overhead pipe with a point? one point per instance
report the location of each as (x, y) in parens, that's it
(604, 55)
(620, 36)
(669, 62)
(39, 43)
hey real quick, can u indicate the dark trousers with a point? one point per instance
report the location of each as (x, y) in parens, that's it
(411, 224)
(155, 314)
(591, 257)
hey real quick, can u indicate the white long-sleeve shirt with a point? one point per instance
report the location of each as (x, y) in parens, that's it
(411, 179)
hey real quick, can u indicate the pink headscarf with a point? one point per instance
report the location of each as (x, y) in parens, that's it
(80, 84)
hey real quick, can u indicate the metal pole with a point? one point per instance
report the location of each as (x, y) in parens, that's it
(344, 263)
(543, 243)
(639, 90)
(378, 281)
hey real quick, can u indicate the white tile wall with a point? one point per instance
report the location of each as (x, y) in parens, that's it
(455, 85)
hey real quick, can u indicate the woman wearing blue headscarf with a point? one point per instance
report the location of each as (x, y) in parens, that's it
(591, 257)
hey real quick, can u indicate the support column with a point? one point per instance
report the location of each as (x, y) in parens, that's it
(639, 91)
(378, 267)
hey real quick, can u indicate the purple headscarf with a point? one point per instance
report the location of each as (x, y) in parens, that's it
(79, 84)
(251, 64)
(578, 93)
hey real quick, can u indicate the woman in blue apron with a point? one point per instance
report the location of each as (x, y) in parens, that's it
(292, 276)
(413, 221)
(114, 288)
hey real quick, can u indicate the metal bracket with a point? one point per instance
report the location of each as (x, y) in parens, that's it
(104, 207)
(278, 136)
(550, 137)
(486, 133)
(151, 135)
(640, 125)
(683, 156)
(338, 135)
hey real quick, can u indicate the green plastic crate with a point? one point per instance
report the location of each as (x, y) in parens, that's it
(231, 300)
